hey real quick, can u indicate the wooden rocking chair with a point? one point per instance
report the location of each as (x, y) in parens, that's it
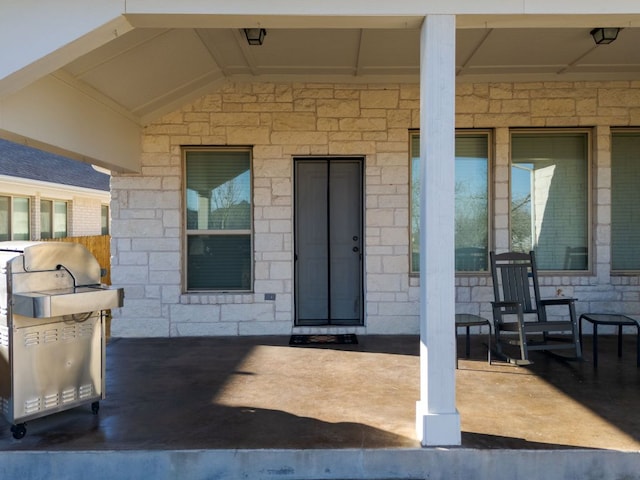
(520, 315)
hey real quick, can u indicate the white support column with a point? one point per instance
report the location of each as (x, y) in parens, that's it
(437, 420)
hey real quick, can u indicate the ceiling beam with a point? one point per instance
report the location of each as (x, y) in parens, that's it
(246, 51)
(479, 45)
(359, 62)
(212, 48)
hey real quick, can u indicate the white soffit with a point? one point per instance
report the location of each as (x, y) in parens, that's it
(178, 51)
(147, 70)
(144, 71)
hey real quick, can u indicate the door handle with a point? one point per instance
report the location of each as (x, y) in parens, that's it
(355, 249)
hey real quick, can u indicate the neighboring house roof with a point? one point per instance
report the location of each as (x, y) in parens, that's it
(25, 162)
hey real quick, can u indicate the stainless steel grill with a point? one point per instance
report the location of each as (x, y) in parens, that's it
(52, 329)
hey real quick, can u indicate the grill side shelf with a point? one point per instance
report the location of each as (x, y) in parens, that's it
(66, 302)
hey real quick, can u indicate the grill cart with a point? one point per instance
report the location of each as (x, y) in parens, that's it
(52, 329)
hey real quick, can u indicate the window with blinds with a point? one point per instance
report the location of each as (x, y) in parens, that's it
(625, 200)
(14, 218)
(550, 197)
(218, 219)
(471, 201)
(5, 218)
(53, 219)
(104, 219)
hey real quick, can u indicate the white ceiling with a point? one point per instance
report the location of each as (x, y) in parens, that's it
(149, 70)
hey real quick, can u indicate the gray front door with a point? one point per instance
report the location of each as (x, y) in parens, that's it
(328, 241)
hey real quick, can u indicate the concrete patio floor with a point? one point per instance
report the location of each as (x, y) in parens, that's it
(256, 393)
(259, 392)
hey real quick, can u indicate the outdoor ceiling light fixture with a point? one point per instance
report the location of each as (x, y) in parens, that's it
(255, 36)
(603, 36)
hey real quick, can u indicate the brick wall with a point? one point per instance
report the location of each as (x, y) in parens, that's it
(84, 217)
(285, 120)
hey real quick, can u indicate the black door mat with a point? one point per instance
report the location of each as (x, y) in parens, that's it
(322, 339)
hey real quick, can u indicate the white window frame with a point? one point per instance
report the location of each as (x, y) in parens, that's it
(52, 217)
(11, 215)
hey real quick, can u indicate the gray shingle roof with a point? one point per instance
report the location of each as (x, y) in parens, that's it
(25, 162)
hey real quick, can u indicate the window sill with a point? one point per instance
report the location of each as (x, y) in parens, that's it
(216, 298)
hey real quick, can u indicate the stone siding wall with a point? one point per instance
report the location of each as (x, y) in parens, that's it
(599, 106)
(281, 121)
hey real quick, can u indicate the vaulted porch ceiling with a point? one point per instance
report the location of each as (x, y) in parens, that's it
(149, 71)
(84, 82)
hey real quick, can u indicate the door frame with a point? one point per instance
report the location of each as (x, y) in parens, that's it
(331, 158)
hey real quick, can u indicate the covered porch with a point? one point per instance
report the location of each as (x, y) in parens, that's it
(255, 407)
(90, 85)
